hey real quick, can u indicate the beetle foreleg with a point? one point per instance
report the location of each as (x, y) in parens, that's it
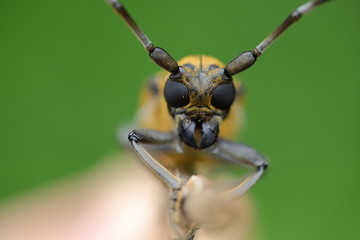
(146, 136)
(241, 154)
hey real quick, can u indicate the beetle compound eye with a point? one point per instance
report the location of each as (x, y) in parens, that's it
(176, 94)
(223, 96)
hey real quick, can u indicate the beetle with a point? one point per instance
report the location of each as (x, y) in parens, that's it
(190, 112)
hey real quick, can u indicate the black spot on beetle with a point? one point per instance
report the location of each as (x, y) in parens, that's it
(213, 66)
(153, 86)
(189, 65)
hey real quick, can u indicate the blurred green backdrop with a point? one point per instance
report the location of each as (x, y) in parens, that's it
(70, 72)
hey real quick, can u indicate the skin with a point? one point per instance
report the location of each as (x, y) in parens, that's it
(110, 202)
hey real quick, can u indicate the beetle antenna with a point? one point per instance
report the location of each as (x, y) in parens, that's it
(247, 59)
(158, 55)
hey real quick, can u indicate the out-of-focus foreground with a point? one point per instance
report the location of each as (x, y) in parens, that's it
(113, 201)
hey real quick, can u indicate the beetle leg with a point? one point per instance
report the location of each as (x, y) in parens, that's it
(146, 136)
(191, 234)
(241, 154)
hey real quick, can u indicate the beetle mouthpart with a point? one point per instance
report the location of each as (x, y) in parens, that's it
(198, 135)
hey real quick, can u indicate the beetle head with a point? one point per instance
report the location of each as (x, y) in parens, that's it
(199, 96)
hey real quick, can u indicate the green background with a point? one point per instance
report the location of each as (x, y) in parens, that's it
(70, 73)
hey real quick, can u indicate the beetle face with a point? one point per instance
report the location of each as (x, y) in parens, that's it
(199, 97)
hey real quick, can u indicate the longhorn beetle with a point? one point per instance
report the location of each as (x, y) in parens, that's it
(199, 94)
